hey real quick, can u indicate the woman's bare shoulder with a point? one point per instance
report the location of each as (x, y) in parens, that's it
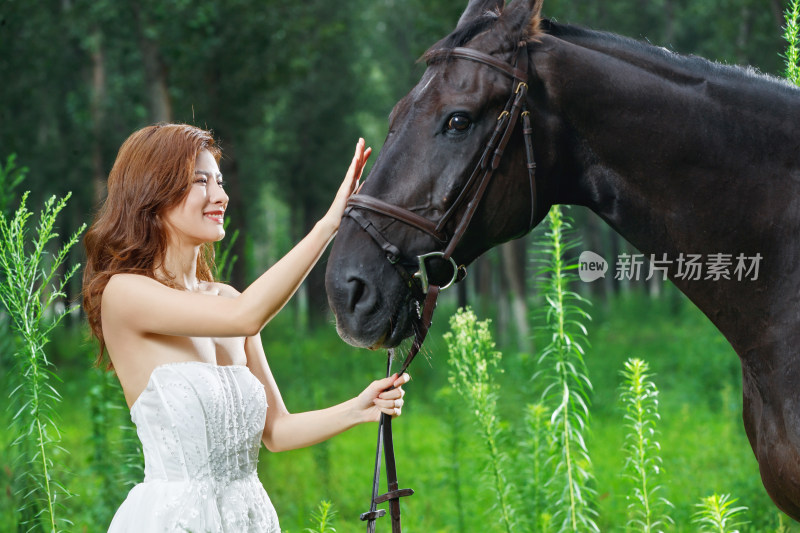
(125, 292)
(123, 283)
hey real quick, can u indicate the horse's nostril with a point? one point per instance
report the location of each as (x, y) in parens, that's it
(356, 288)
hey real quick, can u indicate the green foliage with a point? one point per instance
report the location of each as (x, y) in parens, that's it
(781, 526)
(322, 518)
(29, 287)
(115, 462)
(473, 363)
(537, 446)
(10, 177)
(791, 34)
(716, 514)
(224, 260)
(564, 377)
(102, 456)
(454, 466)
(643, 463)
(703, 446)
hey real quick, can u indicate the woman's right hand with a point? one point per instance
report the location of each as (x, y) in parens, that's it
(378, 398)
(334, 215)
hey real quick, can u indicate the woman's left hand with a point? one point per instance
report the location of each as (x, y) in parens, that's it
(376, 399)
(349, 185)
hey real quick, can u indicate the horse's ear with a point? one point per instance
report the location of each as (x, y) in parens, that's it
(477, 8)
(522, 17)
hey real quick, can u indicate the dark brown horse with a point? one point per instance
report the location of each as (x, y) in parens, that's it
(677, 154)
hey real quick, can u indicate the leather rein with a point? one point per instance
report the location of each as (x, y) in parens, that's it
(418, 283)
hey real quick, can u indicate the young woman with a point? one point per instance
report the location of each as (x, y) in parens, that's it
(186, 348)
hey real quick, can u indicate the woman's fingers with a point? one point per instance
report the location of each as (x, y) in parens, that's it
(356, 166)
(400, 380)
(392, 381)
(391, 401)
(363, 163)
(392, 394)
(389, 404)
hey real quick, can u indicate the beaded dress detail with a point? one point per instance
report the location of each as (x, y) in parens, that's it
(200, 427)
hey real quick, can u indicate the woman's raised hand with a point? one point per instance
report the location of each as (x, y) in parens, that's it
(348, 186)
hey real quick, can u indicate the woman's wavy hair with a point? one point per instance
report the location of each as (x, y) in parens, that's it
(152, 173)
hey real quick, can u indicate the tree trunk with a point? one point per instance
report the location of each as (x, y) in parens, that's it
(743, 37)
(155, 71)
(513, 259)
(315, 297)
(776, 7)
(98, 118)
(669, 22)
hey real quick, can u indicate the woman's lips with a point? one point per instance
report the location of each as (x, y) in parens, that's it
(216, 216)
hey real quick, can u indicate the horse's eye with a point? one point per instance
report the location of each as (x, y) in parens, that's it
(458, 123)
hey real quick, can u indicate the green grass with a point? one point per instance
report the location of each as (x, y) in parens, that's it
(704, 448)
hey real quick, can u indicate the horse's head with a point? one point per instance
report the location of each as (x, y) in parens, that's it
(435, 150)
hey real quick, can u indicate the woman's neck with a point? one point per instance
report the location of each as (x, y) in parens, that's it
(180, 265)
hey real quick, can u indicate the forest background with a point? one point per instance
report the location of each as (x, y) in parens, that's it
(287, 88)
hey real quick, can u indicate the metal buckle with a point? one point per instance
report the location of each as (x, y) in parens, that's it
(422, 273)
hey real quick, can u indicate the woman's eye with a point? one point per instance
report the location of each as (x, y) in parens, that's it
(201, 181)
(458, 123)
(221, 184)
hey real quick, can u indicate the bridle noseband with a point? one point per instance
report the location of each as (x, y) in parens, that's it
(471, 195)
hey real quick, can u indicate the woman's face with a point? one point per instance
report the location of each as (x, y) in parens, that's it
(199, 217)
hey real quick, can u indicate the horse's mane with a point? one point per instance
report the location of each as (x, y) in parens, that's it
(655, 57)
(689, 65)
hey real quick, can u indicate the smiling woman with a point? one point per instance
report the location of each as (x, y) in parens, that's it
(187, 349)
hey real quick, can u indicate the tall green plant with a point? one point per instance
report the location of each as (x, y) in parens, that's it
(564, 376)
(452, 407)
(115, 450)
(537, 447)
(29, 286)
(639, 397)
(716, 514)
(322, 518)
(224, 261)
(10, 177)
(791, 34)
(472, 364)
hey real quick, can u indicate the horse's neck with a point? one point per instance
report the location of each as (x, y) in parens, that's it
(682, 156)
(686, 157)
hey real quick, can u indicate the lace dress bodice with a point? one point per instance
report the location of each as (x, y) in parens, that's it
(200, 426)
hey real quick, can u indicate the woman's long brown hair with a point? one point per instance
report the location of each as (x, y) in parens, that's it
(151, 174)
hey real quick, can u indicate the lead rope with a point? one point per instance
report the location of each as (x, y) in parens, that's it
(394, 492)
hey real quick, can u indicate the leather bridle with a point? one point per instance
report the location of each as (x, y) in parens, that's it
(418, 283)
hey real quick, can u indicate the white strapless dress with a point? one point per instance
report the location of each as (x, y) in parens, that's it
(200, 427)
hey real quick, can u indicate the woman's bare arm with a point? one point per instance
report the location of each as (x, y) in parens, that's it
(145, 305)
(288, 431)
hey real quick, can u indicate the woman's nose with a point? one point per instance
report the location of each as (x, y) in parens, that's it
(218, 194)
